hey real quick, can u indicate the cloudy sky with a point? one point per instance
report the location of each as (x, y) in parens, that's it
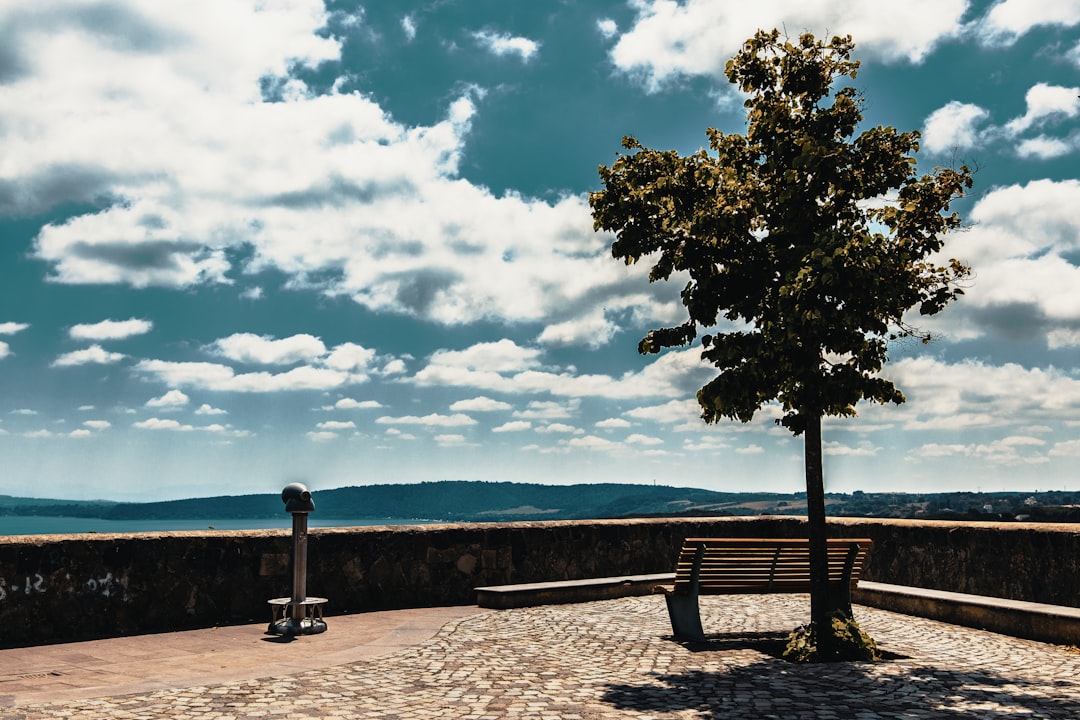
(247, 242)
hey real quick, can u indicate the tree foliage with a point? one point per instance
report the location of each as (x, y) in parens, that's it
(814, 242)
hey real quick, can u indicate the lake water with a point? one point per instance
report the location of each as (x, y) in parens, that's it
(43, 525)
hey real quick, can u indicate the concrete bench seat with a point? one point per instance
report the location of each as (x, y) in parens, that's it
(1056, 624)
(502, 597)
(1033, 621)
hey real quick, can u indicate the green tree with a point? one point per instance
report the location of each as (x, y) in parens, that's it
(813, 244)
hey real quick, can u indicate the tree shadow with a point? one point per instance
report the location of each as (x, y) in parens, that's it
(766, 643)
(773, 687)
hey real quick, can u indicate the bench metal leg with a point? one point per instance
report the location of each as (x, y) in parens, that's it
(685, 617)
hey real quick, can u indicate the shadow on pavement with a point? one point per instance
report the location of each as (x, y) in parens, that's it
(776, 688)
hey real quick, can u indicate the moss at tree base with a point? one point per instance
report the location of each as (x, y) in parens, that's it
(848, 642)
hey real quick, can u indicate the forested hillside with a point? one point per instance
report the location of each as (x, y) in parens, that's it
(492, 501)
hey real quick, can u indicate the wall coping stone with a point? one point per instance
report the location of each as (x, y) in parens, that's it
(1018, 618)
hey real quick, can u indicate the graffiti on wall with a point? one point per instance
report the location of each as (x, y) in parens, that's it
(106, 586)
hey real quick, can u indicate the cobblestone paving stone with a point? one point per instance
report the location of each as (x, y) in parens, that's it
(615, 659)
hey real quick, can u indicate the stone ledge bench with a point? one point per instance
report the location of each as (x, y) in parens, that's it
(502, 597)
(1057, 624)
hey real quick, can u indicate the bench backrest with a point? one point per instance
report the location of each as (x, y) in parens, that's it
(742, 565)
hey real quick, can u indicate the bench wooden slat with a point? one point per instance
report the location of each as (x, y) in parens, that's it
(730, 566)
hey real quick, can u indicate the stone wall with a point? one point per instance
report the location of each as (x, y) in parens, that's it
(64, 587)
(1037, 562)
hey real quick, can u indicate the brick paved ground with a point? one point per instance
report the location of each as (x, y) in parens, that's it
(614, 659)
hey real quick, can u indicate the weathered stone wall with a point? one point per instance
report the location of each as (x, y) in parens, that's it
(63, 587)
(1037, 562)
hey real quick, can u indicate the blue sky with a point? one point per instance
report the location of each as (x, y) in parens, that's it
(247, 243)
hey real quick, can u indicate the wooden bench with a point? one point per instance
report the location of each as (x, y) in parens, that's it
(729, 566)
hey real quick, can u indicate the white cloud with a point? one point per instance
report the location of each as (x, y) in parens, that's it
(1045, 148)
(399, 435)
(1022, 246)
(111, 329)
(938, 450)
(38, 434)
(505, 44)
(433, 420)
(80, 433)
(212, 376)
(5, 350)
(669, 374)
(352, 404)
(639, 439)
(171, 399)
(973, 394)
(706, 443)
(355, 204)
(696, 37)
(953, 126)
(549, 410)
(10, 328)
(337, 425)
(24, 411)
(450, 440)
(263, 350)
(94, 354)
(322, 436)
(1012, 450)
(170, 425)
(350, 357)
(1045, 102)
(394, 367)
(957, 125)
(560, 428)
(1067, 448)
(97, 424)
(593, 329)
(673, 411)
(613, 423)
(480, 404)
(502, 356)
(1063, 338)
(207, 409)
(344, 365)
(512, 426)
(408, 26)
(607, 27)
(750, 449)
(163, 424)
(594, 443)
(863, 450)
(1009, 19)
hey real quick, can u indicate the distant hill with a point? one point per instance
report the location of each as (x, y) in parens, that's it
(461, 501)
(444, 501)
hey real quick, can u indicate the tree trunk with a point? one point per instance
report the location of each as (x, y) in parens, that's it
(822, 604)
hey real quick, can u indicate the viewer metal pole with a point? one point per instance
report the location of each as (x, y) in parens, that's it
(299, 538)
(300, 614)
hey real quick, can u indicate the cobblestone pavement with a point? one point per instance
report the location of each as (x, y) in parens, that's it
(615, 659)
